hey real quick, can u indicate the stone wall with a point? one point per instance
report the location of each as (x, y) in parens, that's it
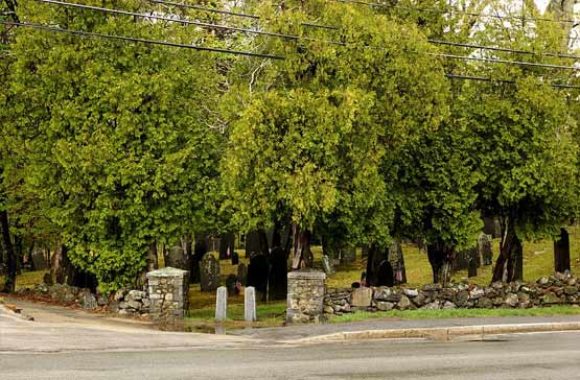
(305, 296)
(168, 292)
(547, 291)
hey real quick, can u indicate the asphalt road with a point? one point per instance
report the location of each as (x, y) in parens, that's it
(527, 356)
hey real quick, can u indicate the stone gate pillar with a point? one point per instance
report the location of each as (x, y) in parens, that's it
(168, 290)
(305, 296)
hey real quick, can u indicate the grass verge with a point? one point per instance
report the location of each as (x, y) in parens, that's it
(455, 313)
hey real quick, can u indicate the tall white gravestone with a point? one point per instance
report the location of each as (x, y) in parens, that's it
(221, 304)
(250, 304)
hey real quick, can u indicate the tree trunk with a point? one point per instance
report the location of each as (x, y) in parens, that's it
(398, 262)
(440, 257)
(61, 269)
(11, 259)
(301, 254)
(509, 264)
(562, 252)
(152, 258)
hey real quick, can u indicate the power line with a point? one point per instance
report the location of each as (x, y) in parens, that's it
(296, 38)
(168, 19)
(487, 79)
(140, 40)
(229, 13)
(507, 50)
(505, 61)
(205, 9)
(453, 10)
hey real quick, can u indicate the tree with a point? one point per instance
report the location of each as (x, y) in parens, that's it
(116, 139)
(315, 143)
(8, 13)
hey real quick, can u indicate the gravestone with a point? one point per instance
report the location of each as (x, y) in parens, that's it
(227, 245)
(199, 251)
(562, 252)
(326, 265)
(484, 243)
(385, 274)
(242, 274)
(361, 297)
(249, 304)
(278, 276)
(473, 262)
(221, 304)
(209, 270)
(258, 273)
(176, 257)
(232, 284)
(235, 258)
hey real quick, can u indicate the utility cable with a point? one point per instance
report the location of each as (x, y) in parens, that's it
(486, 79)
(140, 40)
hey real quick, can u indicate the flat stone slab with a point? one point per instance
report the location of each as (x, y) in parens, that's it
(166, 272)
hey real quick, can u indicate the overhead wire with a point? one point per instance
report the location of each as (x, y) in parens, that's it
(487, 79)
(164, 18)
(139, 40)
(454, 10)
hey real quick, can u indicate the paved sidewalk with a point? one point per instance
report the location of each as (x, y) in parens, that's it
(59, 329)
(306, 332)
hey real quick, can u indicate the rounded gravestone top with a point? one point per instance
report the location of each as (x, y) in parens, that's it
(167, 272)
(307, 274)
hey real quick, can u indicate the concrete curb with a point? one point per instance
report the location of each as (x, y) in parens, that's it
(442, 333)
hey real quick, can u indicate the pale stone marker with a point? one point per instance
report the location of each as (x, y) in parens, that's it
(221, 304)
(361, 297)
(250, 304)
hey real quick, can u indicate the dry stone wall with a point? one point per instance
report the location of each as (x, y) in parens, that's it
(555, 290)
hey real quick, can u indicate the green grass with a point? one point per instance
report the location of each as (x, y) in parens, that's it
(454, 313)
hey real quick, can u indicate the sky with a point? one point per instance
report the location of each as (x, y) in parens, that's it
(542, 4)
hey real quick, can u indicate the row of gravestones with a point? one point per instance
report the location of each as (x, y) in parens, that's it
(267, 274)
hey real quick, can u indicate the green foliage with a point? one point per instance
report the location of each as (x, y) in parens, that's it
(116, 139)
(317, 139)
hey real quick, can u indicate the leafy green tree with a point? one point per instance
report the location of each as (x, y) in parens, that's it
(7, 13)
(117, 140)
(316, 141)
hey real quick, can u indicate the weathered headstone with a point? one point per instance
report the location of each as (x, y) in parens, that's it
(249, 304)
(221, 304)
(176, 257)
(562, 252)
(278, 276)
(209, 270)
(361, 297)
(226, 245)
(385, 275)
(326, 265)
(199, 251)
(235, 258)
(242, 274)
(258, 273)
(232, 284)
(473, 263)
(484, 243)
